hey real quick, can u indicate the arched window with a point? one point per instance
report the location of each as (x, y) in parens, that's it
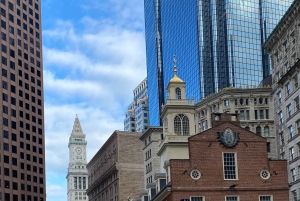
(177, 125)
(258, 130)
(181, 125)
(266, 131)
(178, 93)
(185, 126)
(247, 128)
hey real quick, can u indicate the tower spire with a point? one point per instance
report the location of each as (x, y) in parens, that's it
(77, 130)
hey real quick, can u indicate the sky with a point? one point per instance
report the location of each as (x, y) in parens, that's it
(94, 56)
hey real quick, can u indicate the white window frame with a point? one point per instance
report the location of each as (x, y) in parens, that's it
(227, 196)
(197, 196)
(292, 153)
(271, 196)
(288, 89)
(291, 131)
(294, 174)
(236, 166)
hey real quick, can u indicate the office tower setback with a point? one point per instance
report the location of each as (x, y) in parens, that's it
(217, 43)
(22, 155)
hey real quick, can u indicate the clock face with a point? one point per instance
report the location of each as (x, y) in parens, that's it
(78, 150)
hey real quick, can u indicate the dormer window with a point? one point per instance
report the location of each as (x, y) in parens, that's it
(178, 93)
(181, 125)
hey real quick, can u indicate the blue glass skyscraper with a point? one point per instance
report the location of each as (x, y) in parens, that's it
(218, 43)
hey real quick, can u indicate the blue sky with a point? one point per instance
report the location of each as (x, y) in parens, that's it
(94, 56)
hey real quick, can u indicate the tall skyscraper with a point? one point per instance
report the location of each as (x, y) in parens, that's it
(77, 172)
(217, 43)
(22, 145)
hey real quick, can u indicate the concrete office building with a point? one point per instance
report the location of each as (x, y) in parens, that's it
(22, 118)
(284, 48)
(218, 44)
(137, 114)
(77, 177)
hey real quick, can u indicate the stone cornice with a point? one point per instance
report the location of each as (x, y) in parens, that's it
(232, 91)
(151, 130)
(171, 144)
(180, 107)
(76, 173)
(101, 151)
(289, 17)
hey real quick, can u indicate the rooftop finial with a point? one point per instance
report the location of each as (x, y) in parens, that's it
(175, 63)
(175, 78)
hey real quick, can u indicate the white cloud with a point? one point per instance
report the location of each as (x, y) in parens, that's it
(91, 67)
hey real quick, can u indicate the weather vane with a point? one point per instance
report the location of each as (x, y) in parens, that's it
(174, 60)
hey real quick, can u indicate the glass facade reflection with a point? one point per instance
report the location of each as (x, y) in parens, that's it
(218, 43)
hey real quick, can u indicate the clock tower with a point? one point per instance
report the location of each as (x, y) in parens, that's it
(77, 177)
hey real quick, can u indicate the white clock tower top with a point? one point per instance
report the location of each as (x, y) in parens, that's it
(77, 172)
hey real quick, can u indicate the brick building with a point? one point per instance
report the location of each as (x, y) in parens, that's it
(227, 163)
(116, 171)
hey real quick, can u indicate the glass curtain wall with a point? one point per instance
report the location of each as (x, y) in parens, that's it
(218, 44)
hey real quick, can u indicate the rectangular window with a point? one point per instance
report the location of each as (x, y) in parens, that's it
(291, 129)
(280, 117)
(293, 174)
(297, 105)
(204, 125)
(261, 114)
(232, 198)
(289, 109)
(294, 195)
(288, 88)
(267, 114)
(196, 198)
(255, 114)
(292, 153)
(242, 114)
(226, 102)
(229, 166)
(268, 147)
(279, 97)
(265, 198)
(247, 114)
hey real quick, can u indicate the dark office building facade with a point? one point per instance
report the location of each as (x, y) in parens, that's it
(217, 43)
(22, 145)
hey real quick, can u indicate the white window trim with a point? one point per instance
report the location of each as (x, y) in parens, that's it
(238, 197)
(266, 195)
(197, 196)
(236, 166)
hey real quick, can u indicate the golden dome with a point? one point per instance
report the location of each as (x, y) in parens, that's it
(176, 79)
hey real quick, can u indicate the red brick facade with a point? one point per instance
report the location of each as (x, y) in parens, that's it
(206, 156)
